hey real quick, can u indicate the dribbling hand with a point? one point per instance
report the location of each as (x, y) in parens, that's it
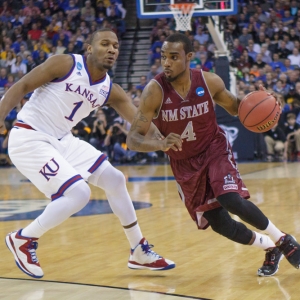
(172, 141)
(272, 93)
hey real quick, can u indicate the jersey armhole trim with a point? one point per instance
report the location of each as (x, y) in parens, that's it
(155, 117)
(110, 86)
(68, 74)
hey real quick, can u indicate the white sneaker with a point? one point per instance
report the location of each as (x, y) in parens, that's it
(23, 249)
(142, 257)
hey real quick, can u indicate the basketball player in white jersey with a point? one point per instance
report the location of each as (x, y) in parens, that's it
(66, 89)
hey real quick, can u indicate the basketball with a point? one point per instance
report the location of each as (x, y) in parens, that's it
(259, 111)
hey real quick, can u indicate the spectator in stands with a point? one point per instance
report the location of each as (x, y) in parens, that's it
(292, 132)
(276, 63)
(99, 129)
(72, 10)
(287, 65)
(100, 8)
(250, 49)
(206, 65)
(282, 50)
(245, 37)
(194, 61)
(158, 65)
(42, 58)
(60, 49)
(30, 63)
(142, 84)
(88, 9)
(30, 9)
(295, 57)
(3, 80)
(34, 34)
(266, 54)
(289, 44)
(18, 66)
(201, 36)
(276, 143)
(10, 60)
(152, 73)
(10, 82)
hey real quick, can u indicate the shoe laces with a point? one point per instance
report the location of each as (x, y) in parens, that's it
(147, 250)
(270, 257)
(32, 246)
(287, 246)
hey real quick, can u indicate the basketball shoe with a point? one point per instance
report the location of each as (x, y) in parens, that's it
(23, 249)
(142, 257)
(289, 247)
(271, 263)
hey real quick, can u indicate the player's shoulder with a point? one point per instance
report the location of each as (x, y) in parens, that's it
(61, 62)
(213, 80)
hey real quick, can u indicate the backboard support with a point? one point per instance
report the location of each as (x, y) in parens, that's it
(155, 9)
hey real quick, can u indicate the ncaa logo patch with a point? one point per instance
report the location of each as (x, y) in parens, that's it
(200, 91)
(79, 66)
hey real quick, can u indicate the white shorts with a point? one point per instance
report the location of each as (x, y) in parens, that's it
(52, 165)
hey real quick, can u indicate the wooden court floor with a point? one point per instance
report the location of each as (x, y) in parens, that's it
(86, 257)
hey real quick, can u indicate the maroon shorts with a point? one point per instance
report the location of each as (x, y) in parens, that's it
(204, 177)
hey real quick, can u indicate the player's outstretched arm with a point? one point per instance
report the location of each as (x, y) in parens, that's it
(221, 95)
(120, 101)
(148, 108)
(55, 67)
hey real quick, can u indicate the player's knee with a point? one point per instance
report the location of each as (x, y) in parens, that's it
(232, 202)
(118, 182)
(221, 222)
(80, 194)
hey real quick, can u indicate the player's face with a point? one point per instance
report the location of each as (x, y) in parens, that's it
(104, 50)
(174, 60)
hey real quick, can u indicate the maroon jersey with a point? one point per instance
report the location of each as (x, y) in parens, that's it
(192, 117)
(205, 168)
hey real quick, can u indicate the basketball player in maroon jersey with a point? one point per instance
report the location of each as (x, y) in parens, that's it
(180, 103)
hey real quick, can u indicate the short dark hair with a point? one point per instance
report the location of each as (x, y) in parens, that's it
(98, 31)
(183, 39)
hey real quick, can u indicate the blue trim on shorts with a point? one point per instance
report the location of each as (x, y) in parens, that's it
(97, 164)
(65, 186)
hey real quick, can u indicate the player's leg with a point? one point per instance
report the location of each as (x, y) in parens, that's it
(98, 171)
(251, 214)
(222, 223)
(230, 190)
(36, 156)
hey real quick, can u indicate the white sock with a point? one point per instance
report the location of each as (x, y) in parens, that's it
(34, 229)
(134, 235)
(263, 241)
(274, 232)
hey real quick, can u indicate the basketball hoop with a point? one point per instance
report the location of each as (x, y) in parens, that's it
(183, 13)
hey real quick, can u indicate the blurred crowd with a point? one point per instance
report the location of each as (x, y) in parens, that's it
(263, 39)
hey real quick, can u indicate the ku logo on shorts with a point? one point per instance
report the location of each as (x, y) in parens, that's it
(50, 169)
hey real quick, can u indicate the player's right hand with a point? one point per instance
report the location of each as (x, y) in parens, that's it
(2, 127)
(172, 141)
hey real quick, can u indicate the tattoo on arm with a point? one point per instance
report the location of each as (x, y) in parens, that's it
(140, 117)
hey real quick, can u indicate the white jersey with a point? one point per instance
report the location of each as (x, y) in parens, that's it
(57, 106)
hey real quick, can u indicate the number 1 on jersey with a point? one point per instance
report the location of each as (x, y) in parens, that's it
(188, 132)
(77, 105)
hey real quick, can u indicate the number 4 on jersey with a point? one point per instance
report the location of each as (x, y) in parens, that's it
(188, 132)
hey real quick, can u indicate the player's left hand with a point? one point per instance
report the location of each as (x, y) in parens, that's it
(272, 93)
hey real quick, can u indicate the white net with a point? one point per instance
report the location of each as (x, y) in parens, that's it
(183, 14)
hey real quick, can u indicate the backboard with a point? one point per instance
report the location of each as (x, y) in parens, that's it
(152, 9)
